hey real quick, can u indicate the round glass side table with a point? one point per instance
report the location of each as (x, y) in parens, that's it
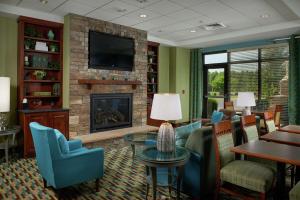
(153, 159)
(143, 138)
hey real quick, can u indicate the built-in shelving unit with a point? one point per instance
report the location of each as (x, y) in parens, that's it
(152, 79)
(33, 61)
(40, 78)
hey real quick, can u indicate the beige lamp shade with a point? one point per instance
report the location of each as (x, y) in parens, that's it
(166, 107)
(4, 94)
(245, 99)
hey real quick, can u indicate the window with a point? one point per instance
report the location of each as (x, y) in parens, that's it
(263, 71)
(215, 58)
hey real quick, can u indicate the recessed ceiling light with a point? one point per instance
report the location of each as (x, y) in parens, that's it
(193, 31)
(265, 16)
(44, 1)
(143, 15)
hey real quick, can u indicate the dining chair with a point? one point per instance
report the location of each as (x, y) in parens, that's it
(269, 121)
(233, 175)
(228, 105)
(249, 128)
(277, 109)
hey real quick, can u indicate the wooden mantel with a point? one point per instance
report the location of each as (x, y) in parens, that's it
(91, 82)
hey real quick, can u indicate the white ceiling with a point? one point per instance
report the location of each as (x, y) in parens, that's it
(170, 21)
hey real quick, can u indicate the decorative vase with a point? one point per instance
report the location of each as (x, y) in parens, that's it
(51, 35)
(166, 138)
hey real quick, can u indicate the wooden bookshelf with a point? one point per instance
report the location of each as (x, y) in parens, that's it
(152, 79)
(40, 72)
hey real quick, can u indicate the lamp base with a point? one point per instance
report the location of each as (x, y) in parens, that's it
(166, 138)
(247, 111)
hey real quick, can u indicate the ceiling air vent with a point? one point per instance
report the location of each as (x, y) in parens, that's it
(214, 26)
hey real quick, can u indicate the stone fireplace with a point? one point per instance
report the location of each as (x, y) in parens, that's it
(110, 111)
(80, 94)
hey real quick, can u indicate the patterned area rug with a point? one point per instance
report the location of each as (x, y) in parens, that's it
(124, 179)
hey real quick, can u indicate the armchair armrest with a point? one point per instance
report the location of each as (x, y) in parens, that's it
(74, 144)
(88, 154)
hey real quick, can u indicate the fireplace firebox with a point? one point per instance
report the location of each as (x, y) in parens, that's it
(110, 111)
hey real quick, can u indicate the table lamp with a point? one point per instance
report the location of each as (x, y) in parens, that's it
(246, 99)
(4, 101)
(166, 107)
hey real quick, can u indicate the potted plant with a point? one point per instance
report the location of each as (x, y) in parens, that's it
(29, 44)
(39, 74)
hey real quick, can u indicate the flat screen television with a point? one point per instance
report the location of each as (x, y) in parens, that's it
(110, 52)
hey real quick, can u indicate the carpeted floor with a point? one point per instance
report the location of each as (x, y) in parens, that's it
(123, 180)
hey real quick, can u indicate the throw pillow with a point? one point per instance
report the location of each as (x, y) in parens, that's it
(182, 133)
(62, 142)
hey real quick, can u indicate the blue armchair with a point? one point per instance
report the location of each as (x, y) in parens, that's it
(64, 163)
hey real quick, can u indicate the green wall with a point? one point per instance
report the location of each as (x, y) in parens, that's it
(163, 70)
(174, 74)
(8, 59)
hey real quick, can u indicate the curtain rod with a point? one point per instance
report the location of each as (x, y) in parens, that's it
(286, 38)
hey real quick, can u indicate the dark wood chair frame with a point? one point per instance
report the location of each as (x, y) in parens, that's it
(219, 129)
(228, 104)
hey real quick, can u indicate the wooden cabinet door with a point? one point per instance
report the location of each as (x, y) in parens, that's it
(41, 118)
(60, 121)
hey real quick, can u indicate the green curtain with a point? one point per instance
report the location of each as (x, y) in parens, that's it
(196, 84)
(294, 81)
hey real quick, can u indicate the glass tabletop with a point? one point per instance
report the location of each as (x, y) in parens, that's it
(151, 154)
(140, 137)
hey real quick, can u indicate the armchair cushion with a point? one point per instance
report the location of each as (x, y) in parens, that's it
(183, 132)
(294, 194)
(249, 175)
(216, 117)
(62, 142)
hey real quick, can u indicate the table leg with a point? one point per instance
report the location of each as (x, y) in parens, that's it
(170, 181)
(147, 184)
(179, 177)
(280, 184)
(133, 150)
(297, 176)
(154, 182)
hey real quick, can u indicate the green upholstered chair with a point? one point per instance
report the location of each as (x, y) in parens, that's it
(294, 194)
(241, 173)
(250, 132)
(269, 121)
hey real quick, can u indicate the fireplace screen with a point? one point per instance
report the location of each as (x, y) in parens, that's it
(110, 111)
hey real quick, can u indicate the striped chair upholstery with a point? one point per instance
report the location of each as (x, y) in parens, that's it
(270, 126)
(251, 132)
(246, 174)
(294, 194)
(225, 142)
(251, 175)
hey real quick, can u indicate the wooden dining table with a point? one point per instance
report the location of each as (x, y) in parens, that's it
(291, 129)
(282, 154)
(282, 137)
